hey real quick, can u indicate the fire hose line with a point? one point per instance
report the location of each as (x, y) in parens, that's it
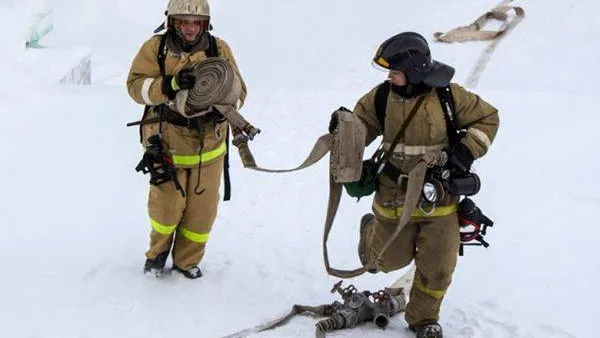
(348, 138)
(475, 32)
(217, 86)
(338, 317)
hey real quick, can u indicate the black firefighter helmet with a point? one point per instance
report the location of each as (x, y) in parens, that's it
(409, 52)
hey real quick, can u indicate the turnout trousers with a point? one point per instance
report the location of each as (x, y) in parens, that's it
(433, 243)
(183, 224)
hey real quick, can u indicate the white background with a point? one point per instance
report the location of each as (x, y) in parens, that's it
(73, 219)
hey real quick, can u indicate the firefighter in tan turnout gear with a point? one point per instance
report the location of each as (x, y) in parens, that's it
(184, 193)
(431, 237)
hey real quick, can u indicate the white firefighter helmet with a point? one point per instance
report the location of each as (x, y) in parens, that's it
(188, 7)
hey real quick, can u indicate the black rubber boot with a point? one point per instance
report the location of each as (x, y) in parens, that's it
(191, 272)
(365, 221)
(432, 330)
(156, 266)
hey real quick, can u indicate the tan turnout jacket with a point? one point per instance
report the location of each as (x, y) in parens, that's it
(426, 132)
(144, 85)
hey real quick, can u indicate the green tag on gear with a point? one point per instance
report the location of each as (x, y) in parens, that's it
(367, 183)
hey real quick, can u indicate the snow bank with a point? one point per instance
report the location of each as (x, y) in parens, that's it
(23, 25)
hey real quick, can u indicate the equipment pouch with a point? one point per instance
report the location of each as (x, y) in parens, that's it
(467, 185)
(367, 184)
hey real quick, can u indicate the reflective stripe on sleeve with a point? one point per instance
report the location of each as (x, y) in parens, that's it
(146, 91)
(481, 136)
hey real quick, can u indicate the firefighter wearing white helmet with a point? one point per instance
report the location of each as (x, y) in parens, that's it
(181, 215)
(182, 11)
(191, 7)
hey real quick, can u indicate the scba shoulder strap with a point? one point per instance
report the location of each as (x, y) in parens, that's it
(381, 96)
(446, 101)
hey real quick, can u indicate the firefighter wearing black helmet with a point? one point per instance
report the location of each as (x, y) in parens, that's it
(431, 238)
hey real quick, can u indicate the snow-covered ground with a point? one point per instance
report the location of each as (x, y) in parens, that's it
(73, 210)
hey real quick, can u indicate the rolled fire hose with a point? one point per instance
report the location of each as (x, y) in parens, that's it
(217, 87)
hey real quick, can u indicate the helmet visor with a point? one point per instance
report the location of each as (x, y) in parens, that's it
(405, 61)
(185, 20)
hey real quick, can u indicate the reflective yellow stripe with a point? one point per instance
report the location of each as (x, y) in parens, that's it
(395, 213)
(206, 156)
(161, 228)
(194, 236)
(437, 294)
(174, 84)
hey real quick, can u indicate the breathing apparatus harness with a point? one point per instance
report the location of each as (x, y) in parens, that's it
(162, 168)
(447, 177)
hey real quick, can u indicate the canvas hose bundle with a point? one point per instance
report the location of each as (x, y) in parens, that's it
(476, 32)
(217, 87)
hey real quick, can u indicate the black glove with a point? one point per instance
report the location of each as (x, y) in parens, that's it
(182, 80)
(460, 160)
(333, 123)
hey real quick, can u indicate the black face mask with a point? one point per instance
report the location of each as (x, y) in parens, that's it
(411, 90)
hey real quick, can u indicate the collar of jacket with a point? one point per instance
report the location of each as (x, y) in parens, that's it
(410, 91)
(176, 45)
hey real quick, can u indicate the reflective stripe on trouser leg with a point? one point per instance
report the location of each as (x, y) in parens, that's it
(165, 208)
(198, 216)
(400, 253)
(437, 243)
